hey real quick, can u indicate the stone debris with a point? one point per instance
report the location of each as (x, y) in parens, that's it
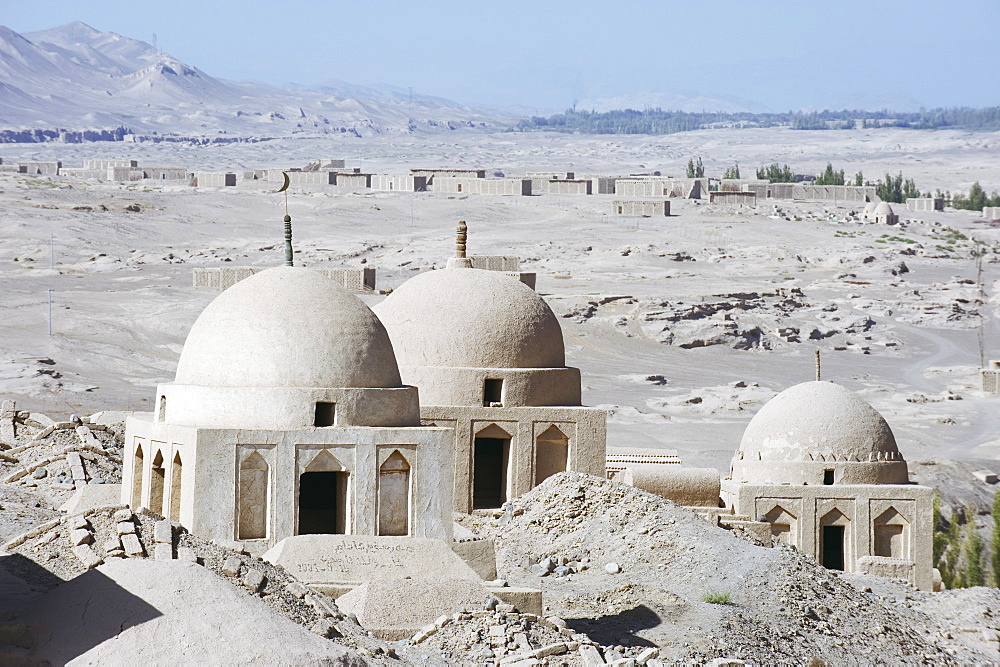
(162, 532)
(133, 547)
(783, 606)
(126, 527)
(231, 568)
(505, 637)
(163, 551)
(87, 556)
(80, 536)
(253, 580)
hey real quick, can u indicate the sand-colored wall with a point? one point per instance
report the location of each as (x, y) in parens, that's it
(211, 460)
(585, 429)
(861, 504)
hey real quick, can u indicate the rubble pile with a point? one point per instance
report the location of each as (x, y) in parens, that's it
(70, 546)
(660, 575)
(509, 638)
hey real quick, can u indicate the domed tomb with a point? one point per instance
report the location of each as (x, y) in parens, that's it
(818, 433)
(487, 354)
(266, 350)
(457, 330)
(472, 318)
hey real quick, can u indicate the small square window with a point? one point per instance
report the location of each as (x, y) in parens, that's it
(325, 413)
(492, 392)
(828, 478)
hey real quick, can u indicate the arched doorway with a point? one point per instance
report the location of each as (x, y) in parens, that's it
(833, 542)
(490, 467)
(323, 497)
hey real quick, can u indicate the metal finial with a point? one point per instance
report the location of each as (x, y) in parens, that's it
(288, 241)
(461, 235)
(288, 222)
(817, 366)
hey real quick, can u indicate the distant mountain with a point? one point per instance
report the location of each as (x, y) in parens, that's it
(77, 78)
(691, 102)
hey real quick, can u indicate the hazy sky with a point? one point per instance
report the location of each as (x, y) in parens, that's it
(546, 55)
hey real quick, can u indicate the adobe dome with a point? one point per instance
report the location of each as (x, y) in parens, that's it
(869, 210)
(471, 318)
(883, 208)
(287, 327)
(814, 427)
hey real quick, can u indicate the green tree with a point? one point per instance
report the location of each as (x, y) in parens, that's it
(776, 173)
(830, 177)
(732, 172)
(995, 541)
(695, 169)
(896, 189)
(972, 548)
(859, 178)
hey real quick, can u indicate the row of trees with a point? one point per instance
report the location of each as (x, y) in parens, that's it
(658, 121)
(960, 553)
(976, 199)
(895, 189)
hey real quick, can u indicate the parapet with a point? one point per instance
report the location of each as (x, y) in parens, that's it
(358, 281)
(618, 458)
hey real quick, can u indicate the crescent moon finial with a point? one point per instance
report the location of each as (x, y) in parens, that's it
(286, 183)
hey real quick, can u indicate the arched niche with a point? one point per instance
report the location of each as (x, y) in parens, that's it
(784, 525)
(892, 535)
(137, 473)
(176, 474)
(157, 477)
(551, 453)
(254, 497)
(394, 495)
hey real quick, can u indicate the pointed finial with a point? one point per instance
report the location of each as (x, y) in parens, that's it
(460, 261)
(817, 366)
(288, 222)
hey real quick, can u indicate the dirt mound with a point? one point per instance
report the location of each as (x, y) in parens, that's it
(699, 592)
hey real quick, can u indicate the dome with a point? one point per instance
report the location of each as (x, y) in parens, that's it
(883, 208)
(287, 327)
(869, 209)
(815, 427)
(471, 318)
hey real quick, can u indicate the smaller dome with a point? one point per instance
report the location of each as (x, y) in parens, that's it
(869, 209)
(815, 427)
(471, 318)
(883, 208)
(287, 327)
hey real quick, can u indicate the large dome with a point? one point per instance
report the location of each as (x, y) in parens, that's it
(816, 426)
(287, 327)
(471, 318)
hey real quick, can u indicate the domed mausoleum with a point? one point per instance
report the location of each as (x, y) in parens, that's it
(287, 416)
(821, 466)
(487, 354)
